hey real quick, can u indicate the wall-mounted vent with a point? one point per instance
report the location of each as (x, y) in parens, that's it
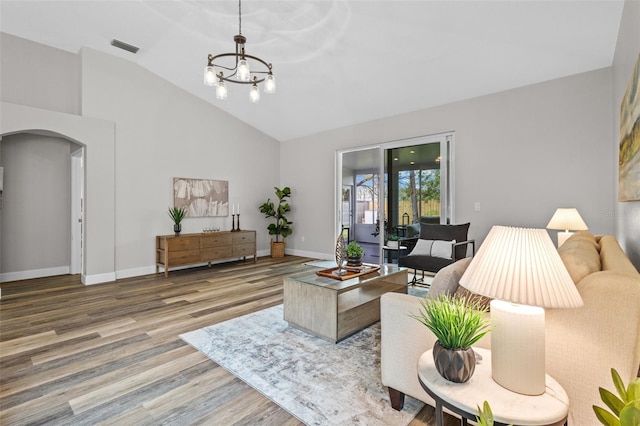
(124, 46)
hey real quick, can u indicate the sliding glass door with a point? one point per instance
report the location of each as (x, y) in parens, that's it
(396, 186)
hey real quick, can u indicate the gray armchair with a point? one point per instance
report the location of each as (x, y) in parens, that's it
(434, 252)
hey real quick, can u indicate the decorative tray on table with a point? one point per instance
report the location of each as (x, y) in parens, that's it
(348, 272)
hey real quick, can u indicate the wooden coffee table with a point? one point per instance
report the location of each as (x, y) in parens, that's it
(333, 309)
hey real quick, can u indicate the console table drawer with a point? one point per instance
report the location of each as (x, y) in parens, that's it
(214, 253)
(244, 237)
(184, 257)
(215, 240)
(180, 243)
(244, 249)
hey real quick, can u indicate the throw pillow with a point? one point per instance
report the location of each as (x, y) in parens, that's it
(481, 300)
(434, 248)
(447, 279)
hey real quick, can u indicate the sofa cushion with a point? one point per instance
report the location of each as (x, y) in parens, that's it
(482, 301)
(447, 279)
(580, 255)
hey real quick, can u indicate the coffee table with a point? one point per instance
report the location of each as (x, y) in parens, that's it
(333, 309)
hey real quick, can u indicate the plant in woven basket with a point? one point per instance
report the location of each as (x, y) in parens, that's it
(625, 411)
(457, 323)
(282, 226)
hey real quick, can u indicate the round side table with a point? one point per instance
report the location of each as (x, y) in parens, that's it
(549, 409)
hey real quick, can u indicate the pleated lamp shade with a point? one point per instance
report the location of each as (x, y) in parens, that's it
(567, 220)
(521, 265)
(522, 271)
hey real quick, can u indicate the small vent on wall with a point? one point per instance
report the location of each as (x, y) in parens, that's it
(124, 46)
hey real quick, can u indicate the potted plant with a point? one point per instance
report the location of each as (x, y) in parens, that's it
(625, 411)
(393, 241)
(177, 214)
(457, 323)
(282, 226)
(354, 254)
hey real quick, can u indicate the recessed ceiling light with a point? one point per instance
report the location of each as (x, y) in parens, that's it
(395, 159)
(412, 163)
(413, 152)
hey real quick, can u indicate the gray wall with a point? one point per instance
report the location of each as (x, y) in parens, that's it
(521, 153)
(626, 215)
(39, 76)
(36, 213)
(141, 131)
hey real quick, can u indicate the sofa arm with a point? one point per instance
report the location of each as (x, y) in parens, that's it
(583, 344)
(403, 340)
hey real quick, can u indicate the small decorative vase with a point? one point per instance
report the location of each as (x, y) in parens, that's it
(455, 365)
(177, 228)
(354, 260)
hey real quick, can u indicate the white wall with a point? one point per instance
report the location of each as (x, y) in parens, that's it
(626, 215)
(163, 132)
(521, 153)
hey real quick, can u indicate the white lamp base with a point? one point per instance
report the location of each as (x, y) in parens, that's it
(517, 347)
(563, 236)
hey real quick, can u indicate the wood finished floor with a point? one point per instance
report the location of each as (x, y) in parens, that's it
(111, 353)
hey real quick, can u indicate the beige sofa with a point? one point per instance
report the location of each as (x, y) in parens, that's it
(582, 344)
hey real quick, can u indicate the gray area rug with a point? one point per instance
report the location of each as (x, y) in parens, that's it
(318, 382)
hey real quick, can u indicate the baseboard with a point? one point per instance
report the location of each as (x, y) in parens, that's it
(35, 273)
(98, 278)
(311, 254)
(135, 272)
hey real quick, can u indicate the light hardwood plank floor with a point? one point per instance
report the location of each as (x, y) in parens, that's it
(111, 353)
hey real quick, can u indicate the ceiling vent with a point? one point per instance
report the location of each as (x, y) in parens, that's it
(124, 46)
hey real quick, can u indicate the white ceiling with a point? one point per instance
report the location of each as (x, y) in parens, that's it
(338, 62)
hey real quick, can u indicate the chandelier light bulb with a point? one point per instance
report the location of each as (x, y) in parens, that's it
(254, 94)
(243, 73)
(270, 84)
(209, 76)
(221, 91)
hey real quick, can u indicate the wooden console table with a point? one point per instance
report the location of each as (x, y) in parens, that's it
(190, 249)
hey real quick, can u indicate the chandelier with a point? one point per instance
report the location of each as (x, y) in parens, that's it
(238, 70)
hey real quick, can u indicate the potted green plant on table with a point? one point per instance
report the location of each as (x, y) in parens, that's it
(625, 411)
(177, 214)
(393, 241)
(457, 323)
(354, 254)
(282, 226)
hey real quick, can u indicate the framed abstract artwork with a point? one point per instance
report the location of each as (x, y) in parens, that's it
(629, 159)
(201, 197)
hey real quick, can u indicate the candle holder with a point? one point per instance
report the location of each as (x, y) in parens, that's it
(238, 225)
(233, 223)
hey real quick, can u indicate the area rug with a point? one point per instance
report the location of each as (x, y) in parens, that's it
(318, 382)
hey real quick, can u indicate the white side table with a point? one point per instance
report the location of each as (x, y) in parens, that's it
(550, 408)
(387, 252)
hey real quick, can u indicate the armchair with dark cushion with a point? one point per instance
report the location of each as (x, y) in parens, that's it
(439, 245)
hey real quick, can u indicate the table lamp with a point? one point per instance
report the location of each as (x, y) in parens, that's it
(565, 220)
(521, 270)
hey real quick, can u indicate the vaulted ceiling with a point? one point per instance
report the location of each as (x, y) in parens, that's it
(338, 62)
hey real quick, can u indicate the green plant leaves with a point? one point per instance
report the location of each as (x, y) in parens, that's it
(457, 323)
(625, 411)
(605, 417)
(177, 214)
(282, 226)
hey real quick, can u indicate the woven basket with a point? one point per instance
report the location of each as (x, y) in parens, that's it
(277, 249)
